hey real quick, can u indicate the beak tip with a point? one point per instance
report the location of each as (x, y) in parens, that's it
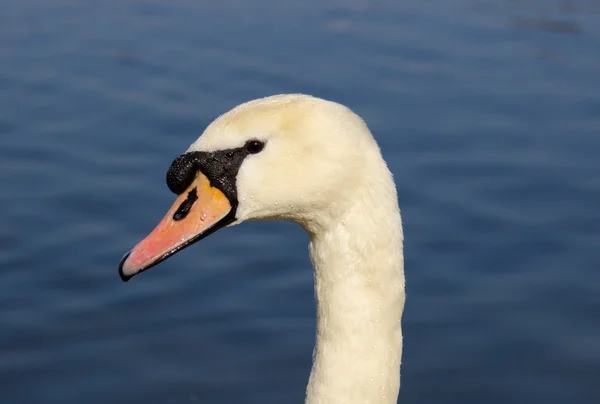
(122, 274)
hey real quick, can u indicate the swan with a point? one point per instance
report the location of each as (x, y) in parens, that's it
(314, 162)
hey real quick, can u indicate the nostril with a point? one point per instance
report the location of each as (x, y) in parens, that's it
(186, 206)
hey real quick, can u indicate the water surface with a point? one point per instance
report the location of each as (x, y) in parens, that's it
(487, 112)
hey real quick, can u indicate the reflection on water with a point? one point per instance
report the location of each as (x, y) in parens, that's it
(487, 112)
(557, 16)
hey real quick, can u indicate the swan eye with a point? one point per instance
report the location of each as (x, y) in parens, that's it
(255, 146)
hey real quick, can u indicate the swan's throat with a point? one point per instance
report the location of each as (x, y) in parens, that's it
(359, 289)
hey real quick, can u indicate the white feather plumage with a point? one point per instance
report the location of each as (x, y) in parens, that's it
(322, 169)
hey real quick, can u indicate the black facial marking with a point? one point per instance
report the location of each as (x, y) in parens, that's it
(181, 173)
(186, 206)
(220, 167)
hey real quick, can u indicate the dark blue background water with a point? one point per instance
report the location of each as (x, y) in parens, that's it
(488, 113)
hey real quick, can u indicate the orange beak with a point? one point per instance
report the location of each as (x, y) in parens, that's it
(196, 213)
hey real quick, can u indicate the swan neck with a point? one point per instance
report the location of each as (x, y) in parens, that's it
(359, 291)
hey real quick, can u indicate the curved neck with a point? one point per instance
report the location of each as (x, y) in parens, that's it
(359, 291)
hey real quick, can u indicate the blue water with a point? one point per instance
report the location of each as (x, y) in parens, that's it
(488, 113)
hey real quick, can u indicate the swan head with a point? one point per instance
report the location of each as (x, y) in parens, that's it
(289, 157)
